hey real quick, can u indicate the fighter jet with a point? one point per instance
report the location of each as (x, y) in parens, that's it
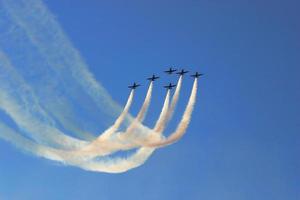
(170, 86)
(134, 86)
(153, 78)
(170, 71)
(182, 72)
(196, 75)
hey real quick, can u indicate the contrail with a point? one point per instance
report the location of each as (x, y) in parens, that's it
(183, 124)
(123, 165)
(155, 133)
(36, 128)
(23, 143)
(52, 43)
(172, 106)
(20, 103)
(43, 133)
(140, 117)
(116, 165)
(119, 120)
(119, 165)
(54, 47)
(70, 73)
(143, 111)
(104, 146)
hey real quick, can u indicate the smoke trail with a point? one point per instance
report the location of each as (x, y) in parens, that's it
(54, 46)
(46, 133)
(123, 165)
(69, 158)
(23, 143)
(183, 124)
(143, 111)
(102, 145)
(155, 133)
(20, 103)
(52, 43)
(109, 166)
(105, 146)
(23, 112)
(119, 165)
(172, 106)
(141, 115)
(56, 50)
(119, 120)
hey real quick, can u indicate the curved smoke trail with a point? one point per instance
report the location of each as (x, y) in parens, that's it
(183, 124)
(119, 165)
(64, 62)
(119, 120)
(124, 164)
(47, 35)
(106, 146)
(172, 106)
(143, 111)
(20, 103)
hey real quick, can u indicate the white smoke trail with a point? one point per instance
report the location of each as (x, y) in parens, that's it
(44, 32)
(116, 165)
(183, 124)
(123, 165)
(143, 111)
(129, 133)
(23, 143)
(155, 134)
(174, 101)
(163, 115)
(47, 35)
(20, 103)
(119, 120)
(36, 128)
(23, 113)
(119, 165)
(104, 146)
(47, 133)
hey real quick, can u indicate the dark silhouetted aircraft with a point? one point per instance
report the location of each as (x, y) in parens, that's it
(170, 71)
(134, 86)
(182, 72)
(170, 86)
(196, 75)
(153, 78)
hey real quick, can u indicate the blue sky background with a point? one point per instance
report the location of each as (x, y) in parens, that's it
(243, 141)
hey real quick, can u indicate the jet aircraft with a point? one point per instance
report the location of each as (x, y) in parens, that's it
(170, 86)
(153, 78)
(170, 71)
(196, 75)
(134, 86)
(182, 72)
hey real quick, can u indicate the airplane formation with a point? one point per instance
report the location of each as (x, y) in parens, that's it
(169, 72)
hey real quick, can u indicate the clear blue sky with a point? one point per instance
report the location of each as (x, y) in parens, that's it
(243, 142)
